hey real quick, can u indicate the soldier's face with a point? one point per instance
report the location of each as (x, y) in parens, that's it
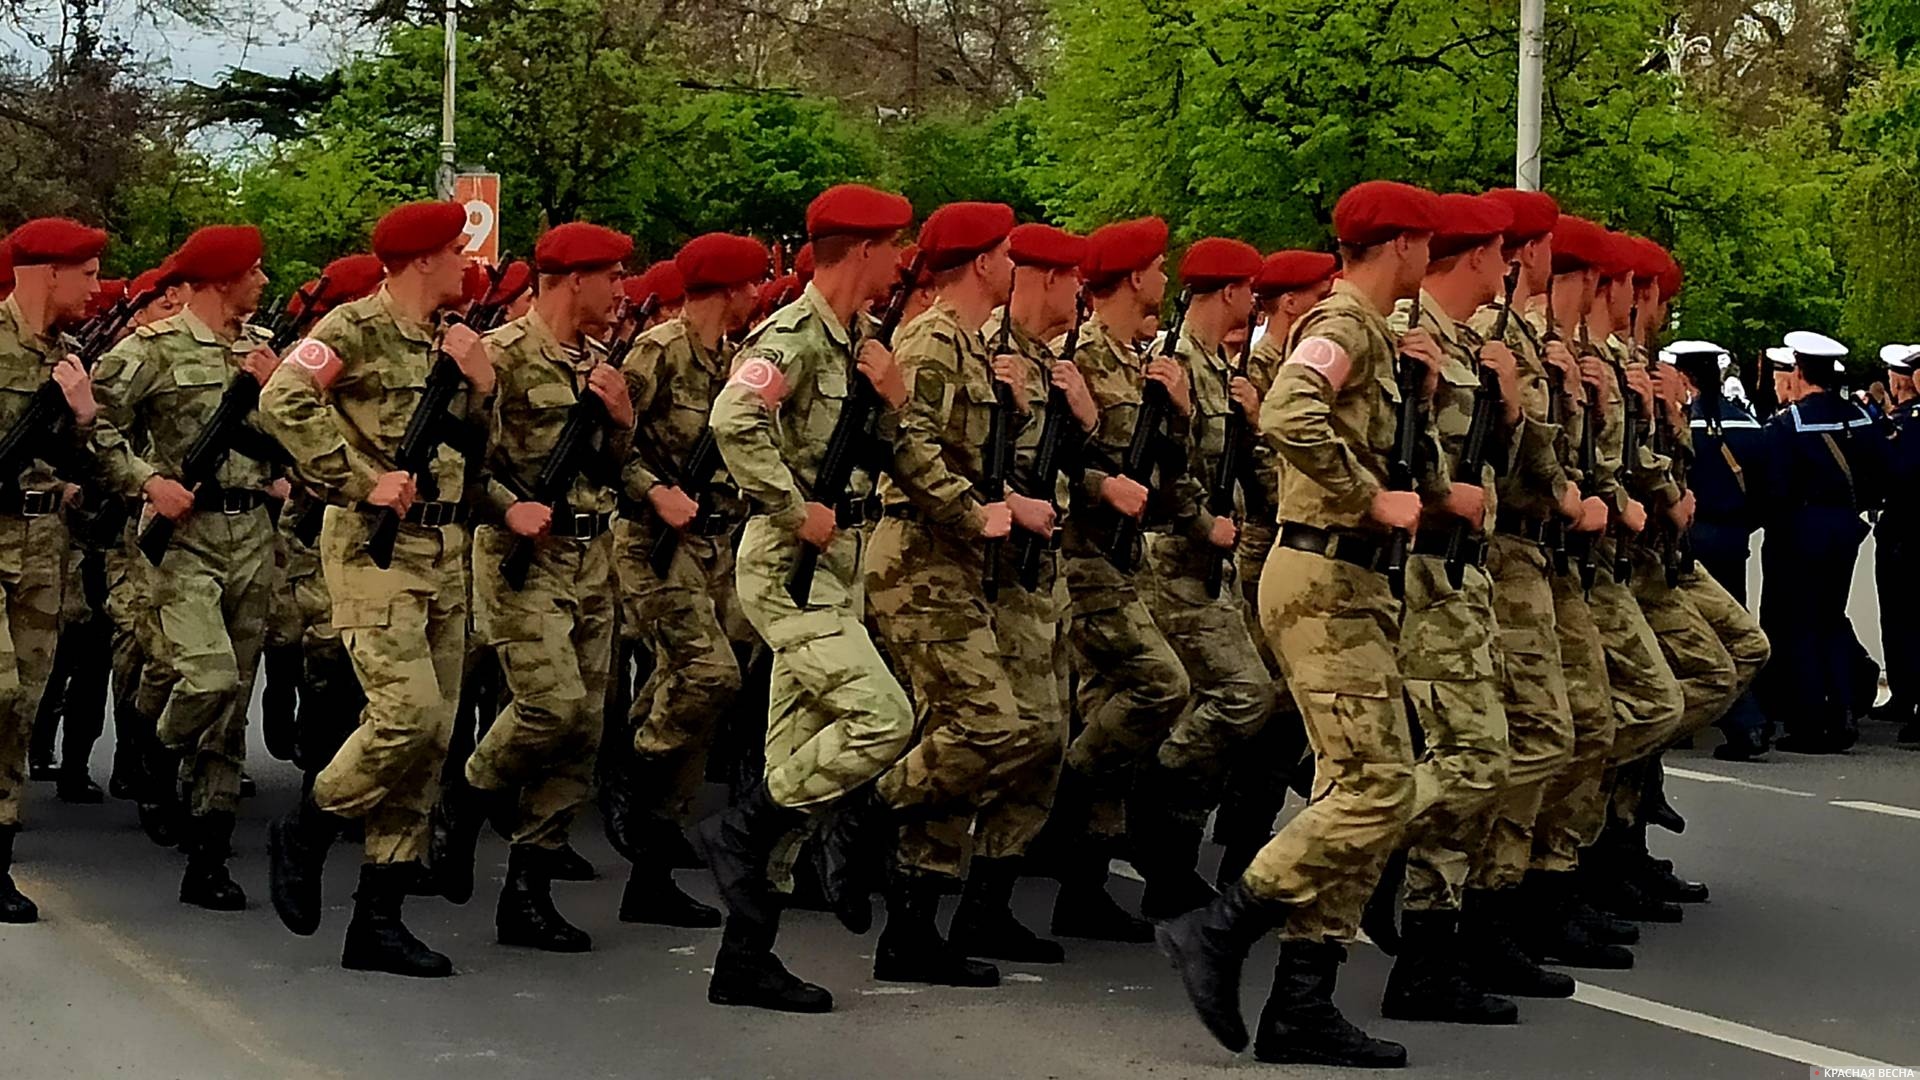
(1415, 251)
(741, 302)
(70, 288)
(243, 293)
(1151, 284)
(881, 266)
(596, 296)
(444, 274)
(1786, 387)
(996, 270)
(1238, 299)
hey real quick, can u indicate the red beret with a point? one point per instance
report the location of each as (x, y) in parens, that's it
(111, 292)
(1649, 259)
(1579, 244)
(150, 283)
(352, 277)
(1045, 246)
(910, 255)
(857, 210)
(803, 263)
(297, 304)
(513, 281)
(580, 245)
(1670, 278)
(416, 229)
(1287, 271)
(721, 261)
(1534, 213)
(1623, 256)
(957, 232)
(6, 267)
(1466, 222)
(1218, 261)
(1376, 211)
(218, 253)
(474, 282)
(55, 240)
(1125, 247)
(662, 279)
(780, 290)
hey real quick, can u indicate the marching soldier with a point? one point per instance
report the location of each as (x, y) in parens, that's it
(688, 619)
(552, 629)
(56, 268)
(1330, 614)
(158, 391)
(341, 404)
(836, 716)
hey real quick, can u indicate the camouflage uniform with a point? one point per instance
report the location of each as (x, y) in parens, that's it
(554, 637)
(836, 717)
(33, 556)
(924, 572)
(1259, 530)
(1132, 684)
(211, 592)
(1736, 627)
(405, 627)
(330, 697)
(1335, 626)
(1447, 646)
(690, 620)
(1232, 694)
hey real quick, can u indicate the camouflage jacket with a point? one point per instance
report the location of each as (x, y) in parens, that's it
(1450, 413)
(1208, 373)
(1041, 356)
(26, 363)
(939, 453)
(343, 437)
(775, 452)
(1263, 366)
(538, 381)
(1533, 486)
(674, 379)
(1643, 474)
(1113, 370)
(157, 389)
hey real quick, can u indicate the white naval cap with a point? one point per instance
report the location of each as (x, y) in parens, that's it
(1781, 358)
(1814, 346)
(1678, 349)
(1899, 357)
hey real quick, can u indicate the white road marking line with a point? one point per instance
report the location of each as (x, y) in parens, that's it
(1717, 778)
(1726, 1031)
(1878, 808)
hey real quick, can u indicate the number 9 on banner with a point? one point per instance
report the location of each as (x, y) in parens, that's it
(480, 194)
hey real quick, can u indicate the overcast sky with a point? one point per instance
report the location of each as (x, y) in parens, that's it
(271, 36)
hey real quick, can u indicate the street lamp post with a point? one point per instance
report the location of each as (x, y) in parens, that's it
(1533, 62)
(444, 178)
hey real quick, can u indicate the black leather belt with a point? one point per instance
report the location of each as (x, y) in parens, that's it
(1363, 550)
(1435, 544)
(432, 515)
(638, 510)
(31, 504)
(580, 526)
(1527, 529)
(229, 501)
(903, 511)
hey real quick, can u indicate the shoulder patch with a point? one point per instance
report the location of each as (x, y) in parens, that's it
(762, 376)
(1325, 356)
(147, 331)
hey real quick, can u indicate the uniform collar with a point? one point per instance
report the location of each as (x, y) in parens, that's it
(1215, 358)
(408, 327)
(196, 326)
(817, 302)
(1442, 323)
(547, 341)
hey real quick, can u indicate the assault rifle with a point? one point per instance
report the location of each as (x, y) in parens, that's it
(1473, 460)
(1155, 406)
(1235, 448)
(996, 456)
(851, 436)
(1410, 375)
(23, 441)
(1047, 458)
(426, 430)
(1630, 442)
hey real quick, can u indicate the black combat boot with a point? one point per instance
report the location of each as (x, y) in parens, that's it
(566, 864)
(1654, 807)
(1301, 1026)
(73, 785)
(160, 810)
(1606, 879)
(984, 925)
(911, 948)
(125, 781)
(652, 896)
(297, 855)
(620, 809)
(1164, 846)
(1209, 946)
(526, 915)
(454, 834)
(854, 850)
(209, 845)
(1377, 917)
(1655, 877)
(279, 701)
(747, 974)
(1490, 956)
(1555, 934)
(736, 844)
(376, 938)
(1428, 982)
(1084, 908)
(15, 909)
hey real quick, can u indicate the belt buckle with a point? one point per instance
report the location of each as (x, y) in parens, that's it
(233, 505)
(433, 515)
(38, 503)
(583, 525)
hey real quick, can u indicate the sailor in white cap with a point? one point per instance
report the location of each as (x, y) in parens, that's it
(1896, 540)
(1826, 466)
(1780, 364)
(1899, 362)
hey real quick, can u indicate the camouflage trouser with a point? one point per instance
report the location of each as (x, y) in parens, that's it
(1573, 806)
(33, 556)
(1647, 702)
(689, 623)
(1540, 726)
(1335, 629)
(973, 740)
(211, 594)
(1736, 627)
(1447, 661)
(1132, 685)
(836, 717)
(142, 669)
(284, 621)
(1232, 695)
(405, 629)
(1708, 681)
(1034, 654)
(330, 698)
(554, 638)
(1249, 558)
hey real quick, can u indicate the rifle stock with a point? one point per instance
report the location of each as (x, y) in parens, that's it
(996, 457)
(1410, 378)
(1155, 405)
(1046, 461)
(414, 456)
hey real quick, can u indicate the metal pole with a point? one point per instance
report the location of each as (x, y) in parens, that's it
(1533, 62)
(445, 175)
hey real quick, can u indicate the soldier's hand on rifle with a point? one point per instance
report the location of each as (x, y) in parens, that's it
(1680, 514)
(1168, 373)
(260, 364)
(280, 488)
(878, 365)
(529, 519)
(1468, 502)
(1012, 370)
(1124, 494)
(1224, 533)
(675, 507)
(1396, 509)
(611, 388)
(1241, 390)
(76, 386)
(1497, 358)
(1066, 376)
(1634, 518)
(1419, 344)
(1641, 384)
(1593, 372)
(168, 498)
(1593, 515)
(467, 350)
(1033, 515)
(819, 526)
(1570, 504)
(394, 491)
(997, 521)
(72, 496)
